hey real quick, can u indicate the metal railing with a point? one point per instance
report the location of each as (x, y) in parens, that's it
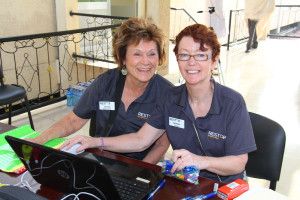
(94, 20)
(284, 19)
(179, 18)
(237, 28)
(45, 64)
(287, 21)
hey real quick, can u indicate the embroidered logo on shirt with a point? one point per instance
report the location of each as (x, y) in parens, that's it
(179, 123)
(216, 136)
(143, 115)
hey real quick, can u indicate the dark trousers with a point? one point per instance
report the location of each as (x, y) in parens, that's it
(252, 42)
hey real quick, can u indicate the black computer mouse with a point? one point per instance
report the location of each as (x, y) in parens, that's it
(18, 193)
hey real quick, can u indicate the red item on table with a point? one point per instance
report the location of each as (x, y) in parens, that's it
(233, 189)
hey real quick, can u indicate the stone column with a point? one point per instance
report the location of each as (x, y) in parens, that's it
(159, 11)
(63, 18)
(66, 22)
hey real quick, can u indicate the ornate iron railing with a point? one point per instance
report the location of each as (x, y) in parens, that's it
(92, 20)
(45, 64)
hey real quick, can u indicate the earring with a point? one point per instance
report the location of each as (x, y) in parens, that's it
(124, 71)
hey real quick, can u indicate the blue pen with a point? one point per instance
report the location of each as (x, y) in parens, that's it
(202, 196)
(209, 195)
(160, 185)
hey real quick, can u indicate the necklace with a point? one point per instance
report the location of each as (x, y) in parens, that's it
(197, 134)
(201, 105)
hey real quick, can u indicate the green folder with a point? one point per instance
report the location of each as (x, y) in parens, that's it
(10, 162)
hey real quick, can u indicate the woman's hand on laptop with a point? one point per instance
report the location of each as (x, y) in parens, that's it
(85, 142)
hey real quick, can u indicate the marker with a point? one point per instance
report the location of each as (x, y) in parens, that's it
(160, 185)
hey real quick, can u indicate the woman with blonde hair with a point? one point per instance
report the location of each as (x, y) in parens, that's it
(138, 49)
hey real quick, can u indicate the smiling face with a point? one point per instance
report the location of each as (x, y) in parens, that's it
(141, 61)
(192, 70)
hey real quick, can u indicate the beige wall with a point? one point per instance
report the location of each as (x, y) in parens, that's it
(127, 8)
(32, 17)
(141, 8)
(63, 19)
(23, 18)
(26, 17)
(159, 11)
(67, 22)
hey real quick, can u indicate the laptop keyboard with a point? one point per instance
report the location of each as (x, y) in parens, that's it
(129, 190)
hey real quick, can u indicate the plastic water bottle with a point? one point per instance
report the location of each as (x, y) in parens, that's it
(75, 92)
(69, 97)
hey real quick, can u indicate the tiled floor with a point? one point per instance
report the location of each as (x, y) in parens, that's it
(268, 78)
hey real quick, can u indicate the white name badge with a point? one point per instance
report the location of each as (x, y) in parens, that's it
(179, 123)
(106, 105)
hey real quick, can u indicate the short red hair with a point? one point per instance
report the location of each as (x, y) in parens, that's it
(202, 34)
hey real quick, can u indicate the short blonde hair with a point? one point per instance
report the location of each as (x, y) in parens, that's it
(132, 31)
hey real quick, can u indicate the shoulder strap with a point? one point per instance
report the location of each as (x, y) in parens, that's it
(113, 113)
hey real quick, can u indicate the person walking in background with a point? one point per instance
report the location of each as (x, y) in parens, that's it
(258, 15)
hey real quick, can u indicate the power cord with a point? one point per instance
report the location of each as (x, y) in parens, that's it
(65, 162)
(76, 196)
(24, 183)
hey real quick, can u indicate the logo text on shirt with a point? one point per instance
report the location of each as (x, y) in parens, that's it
(216, 136)
(143, 115)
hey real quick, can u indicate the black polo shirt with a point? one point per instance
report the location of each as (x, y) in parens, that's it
(225, 130)
(99, 98)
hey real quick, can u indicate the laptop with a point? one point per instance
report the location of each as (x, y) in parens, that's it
(71, 174)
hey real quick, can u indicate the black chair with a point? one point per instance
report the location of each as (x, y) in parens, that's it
(266, 161)
(10, 94)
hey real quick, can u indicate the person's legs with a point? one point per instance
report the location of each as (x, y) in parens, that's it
(252, 34)
(255, 43)
(250, 38)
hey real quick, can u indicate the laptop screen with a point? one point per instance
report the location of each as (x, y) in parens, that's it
(74, 174)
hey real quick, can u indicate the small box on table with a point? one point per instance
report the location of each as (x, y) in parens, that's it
(233, 189)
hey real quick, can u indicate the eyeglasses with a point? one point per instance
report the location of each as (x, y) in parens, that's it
(197, 57)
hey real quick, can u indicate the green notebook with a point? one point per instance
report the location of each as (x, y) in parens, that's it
(10, 162)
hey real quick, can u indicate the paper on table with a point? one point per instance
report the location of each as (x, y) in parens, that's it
(10, 162)
(259, 193)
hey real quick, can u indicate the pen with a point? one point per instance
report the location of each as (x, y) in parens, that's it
(204, 196)
(209, 195)
(201, 197)
(160, 185)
